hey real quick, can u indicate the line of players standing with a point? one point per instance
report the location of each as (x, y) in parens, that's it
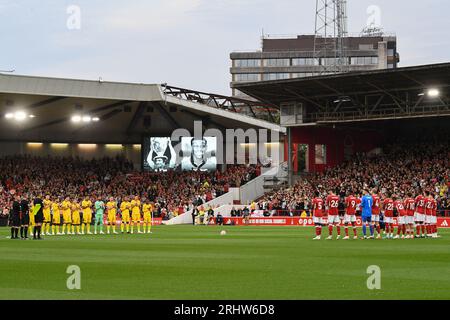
(72, 217)
(22, 215)
(414, 215)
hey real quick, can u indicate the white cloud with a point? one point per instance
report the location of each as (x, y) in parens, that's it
(151, 17)
(7, 5)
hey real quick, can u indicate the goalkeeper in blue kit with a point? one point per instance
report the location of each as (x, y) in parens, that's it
(366, 205)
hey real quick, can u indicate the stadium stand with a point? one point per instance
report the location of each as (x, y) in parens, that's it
(174, 192)
(402, 167)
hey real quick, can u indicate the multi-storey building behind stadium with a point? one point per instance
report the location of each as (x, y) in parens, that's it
(293, 57)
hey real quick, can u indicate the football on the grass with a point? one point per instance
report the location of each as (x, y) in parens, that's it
(223, 232)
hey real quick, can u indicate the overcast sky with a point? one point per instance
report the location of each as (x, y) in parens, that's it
(187, 42)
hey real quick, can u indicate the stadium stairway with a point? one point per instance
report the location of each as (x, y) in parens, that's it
(247, 193)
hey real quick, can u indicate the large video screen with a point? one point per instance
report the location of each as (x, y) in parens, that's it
(161, 154)
(199, 154)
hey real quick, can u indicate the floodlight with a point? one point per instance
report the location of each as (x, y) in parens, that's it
(433, 93)
(76, 119)
(20, 116)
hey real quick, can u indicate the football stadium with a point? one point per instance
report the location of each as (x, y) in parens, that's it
(322, 187)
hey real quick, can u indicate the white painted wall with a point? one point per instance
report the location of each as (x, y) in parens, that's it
(255, 188)
(227, 198)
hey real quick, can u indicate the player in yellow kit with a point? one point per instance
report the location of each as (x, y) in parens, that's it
(86, 206)
(76, 218)
(47, 215)
(56, 219)
(67, 215)
(136, 214)
(125, 207)
(111, 209)
(147, 209)
(31, 224)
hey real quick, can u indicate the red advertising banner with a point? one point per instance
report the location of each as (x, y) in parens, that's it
(306, 222)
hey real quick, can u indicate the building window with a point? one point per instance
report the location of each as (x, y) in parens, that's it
(302, 75)
(242, 77)
(304, 62)
(277, 62)
(247, 63)
(390, 52)
(328, 61)
(361, 61)
(275, 76)
(321, 154)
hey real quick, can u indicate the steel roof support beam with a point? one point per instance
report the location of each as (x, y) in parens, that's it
(205, 120)
(45, 102)
(338, 106)
(305, 98)
(337, 92)
(220, 102)
(373, 92)
(166, 115)
(377, 104)
(65, 119)
(104, 117)
(394, 98)
(137, 115)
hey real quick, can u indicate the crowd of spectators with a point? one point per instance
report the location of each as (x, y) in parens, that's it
(400, 168)
(173, 192)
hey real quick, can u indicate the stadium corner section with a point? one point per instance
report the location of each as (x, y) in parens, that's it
(247, 193)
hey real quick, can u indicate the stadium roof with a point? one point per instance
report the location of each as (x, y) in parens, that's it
(127, 111)
(378, 93)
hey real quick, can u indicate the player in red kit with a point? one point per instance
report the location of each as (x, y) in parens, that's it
(435, 229)
(433, 219)
(376, 212)
(419, 215)
(428, 214)
(388, 211)
(332, 204)
(350, 215)
(318, 206)
(398, 205)
(409, 204)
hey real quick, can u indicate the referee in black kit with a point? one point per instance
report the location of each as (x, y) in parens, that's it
(14, 218)
(24, 219)
(38, 211)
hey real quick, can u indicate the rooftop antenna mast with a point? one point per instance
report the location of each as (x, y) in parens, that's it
(262, 39)
(330, 33)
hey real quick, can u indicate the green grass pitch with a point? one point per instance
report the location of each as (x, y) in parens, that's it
(187, 262)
